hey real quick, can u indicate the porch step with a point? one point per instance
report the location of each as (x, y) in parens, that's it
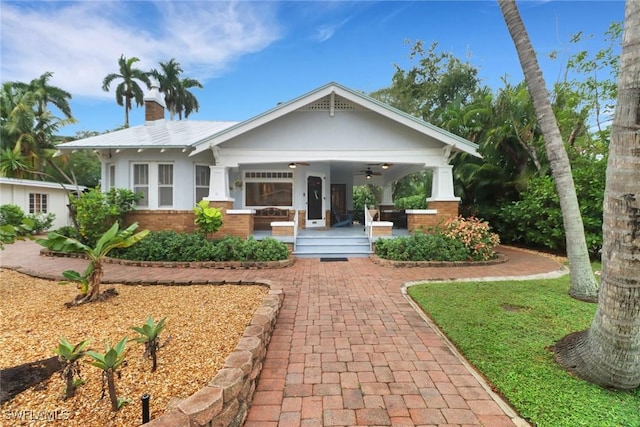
(332, 247)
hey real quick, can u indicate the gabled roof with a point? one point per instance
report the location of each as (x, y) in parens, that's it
(454, 141)
(159, 133)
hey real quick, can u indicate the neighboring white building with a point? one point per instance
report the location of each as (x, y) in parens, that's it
(304, 155)
(38, 197)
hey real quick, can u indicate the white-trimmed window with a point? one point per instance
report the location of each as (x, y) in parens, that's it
(165, 185)
(268, 188)
(38, 203)
(203, 175)
(141, 183)
(155, 182)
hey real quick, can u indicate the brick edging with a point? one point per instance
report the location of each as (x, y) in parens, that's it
(501, 258)
(219, 265)
(226, 399)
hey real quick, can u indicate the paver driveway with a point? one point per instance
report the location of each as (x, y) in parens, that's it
(348, 348)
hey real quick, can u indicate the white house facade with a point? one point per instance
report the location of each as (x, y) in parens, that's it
(302, 156)
(38, 197)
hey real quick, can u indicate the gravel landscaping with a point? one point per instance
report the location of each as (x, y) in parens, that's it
(203, 326)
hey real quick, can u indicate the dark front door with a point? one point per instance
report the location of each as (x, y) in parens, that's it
(315, 201)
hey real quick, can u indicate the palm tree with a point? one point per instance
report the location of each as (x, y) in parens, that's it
(128, 90)
(177, 96)
(583, 283)
(45, 94)
(608, 353)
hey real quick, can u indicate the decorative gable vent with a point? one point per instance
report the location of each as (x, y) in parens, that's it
(339, 103)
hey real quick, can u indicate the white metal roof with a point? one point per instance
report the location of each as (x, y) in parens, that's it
(160, 133)
(41, 184)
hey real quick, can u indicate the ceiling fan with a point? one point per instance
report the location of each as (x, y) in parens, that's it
(369, 173)
(293, 165)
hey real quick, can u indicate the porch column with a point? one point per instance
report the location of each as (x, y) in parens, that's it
(387, 195)
(219, 184)
(442, 185)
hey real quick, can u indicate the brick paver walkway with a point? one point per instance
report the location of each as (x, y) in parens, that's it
(348, 348)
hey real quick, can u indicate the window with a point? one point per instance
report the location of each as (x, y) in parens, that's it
(268, 188)
(203, 174)
(165, 185)
(141, 183)
(112, 176)
(38, 203)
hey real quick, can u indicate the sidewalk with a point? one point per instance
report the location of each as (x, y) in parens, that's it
(348, 348)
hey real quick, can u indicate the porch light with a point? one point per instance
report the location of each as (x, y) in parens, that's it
(385, 165)
(368, 174)
(292, 165)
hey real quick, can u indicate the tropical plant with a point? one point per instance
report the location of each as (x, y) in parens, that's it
(11, 214)
(583, 282)
(11, 233)
(608, 353)
(149, 332)
(109, 362)
(89, 281)
(128, 90)
(70, 354)
(208, 219)
(177, 96)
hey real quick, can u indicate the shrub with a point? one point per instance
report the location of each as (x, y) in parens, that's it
(422, 247)
(417, 201)
(536, 219)
(95, 211)
(11, 215)
(475, 234)
(41, 221)
(170, 246)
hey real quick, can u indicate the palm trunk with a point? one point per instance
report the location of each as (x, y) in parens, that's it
(583, 282)
(608, 353)
(94, 282)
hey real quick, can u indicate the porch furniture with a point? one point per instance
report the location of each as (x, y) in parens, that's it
(342, 220)
(397, 216)
(264, 217)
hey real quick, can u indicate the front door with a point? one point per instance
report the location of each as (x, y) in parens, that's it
(315, 201)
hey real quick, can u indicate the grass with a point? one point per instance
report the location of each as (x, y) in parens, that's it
(505, 329)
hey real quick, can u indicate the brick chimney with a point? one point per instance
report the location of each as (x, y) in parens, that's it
(154, 105)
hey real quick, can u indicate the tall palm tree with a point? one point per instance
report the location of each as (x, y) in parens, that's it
(608, 353)
(177, 96)
(583, 283)
(45, 94)
(128, 90)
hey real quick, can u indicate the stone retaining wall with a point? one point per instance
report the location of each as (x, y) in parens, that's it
(226, 399)
(400, 264)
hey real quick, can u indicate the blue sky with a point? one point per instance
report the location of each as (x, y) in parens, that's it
(250, 55)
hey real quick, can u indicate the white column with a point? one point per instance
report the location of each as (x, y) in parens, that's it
(387, 194)
(219, 184)
(442, 185)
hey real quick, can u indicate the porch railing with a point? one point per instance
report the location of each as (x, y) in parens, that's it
(368, 226)
(295, 230)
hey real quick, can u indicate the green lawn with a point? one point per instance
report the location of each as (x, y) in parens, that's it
(505, 328)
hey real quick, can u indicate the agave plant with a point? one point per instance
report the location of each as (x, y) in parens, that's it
(149, 336)
(70, 354)
(109, 362)
(89, 281)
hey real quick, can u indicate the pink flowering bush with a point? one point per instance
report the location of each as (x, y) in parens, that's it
(475, 234)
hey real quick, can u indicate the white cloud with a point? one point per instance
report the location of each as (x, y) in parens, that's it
(325, 32)
(81, 42)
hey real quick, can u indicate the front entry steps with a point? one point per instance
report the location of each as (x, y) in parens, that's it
(332, 247)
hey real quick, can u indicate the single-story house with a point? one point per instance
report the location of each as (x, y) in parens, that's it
(295, 164)
(39, 197)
